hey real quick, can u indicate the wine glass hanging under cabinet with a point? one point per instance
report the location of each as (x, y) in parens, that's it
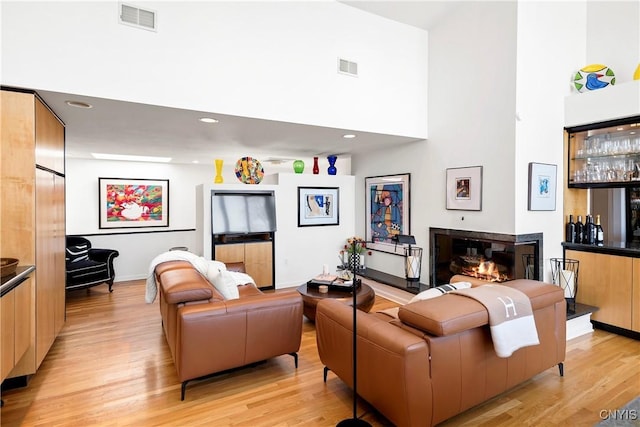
(605, 154)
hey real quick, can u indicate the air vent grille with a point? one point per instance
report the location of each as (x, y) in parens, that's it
(347, 67)
(137, 17)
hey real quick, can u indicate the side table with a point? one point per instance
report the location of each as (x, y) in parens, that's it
(365, 297)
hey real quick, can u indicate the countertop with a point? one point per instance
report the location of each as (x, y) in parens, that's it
(13, 280)
(628, 249)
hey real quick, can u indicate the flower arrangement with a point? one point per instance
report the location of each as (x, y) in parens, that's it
(359, 247)
(354, 245)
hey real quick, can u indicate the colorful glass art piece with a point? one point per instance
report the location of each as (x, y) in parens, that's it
(249, 170)
(593, 77)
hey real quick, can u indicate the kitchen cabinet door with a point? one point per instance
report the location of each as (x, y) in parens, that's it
(605, 281)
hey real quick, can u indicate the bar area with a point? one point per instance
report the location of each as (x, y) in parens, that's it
(603, 181)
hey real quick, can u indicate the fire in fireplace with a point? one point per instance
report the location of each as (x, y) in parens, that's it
(494, 257)
(485, 270)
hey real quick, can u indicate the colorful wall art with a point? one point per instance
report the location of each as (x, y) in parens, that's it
(318, 206)
(542, 187)
(387, 211)
(129, 203)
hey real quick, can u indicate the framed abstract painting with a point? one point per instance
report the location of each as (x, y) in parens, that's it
(387, 211)
(318, 206)
(464, 188)
(133, 203)
(542, 187)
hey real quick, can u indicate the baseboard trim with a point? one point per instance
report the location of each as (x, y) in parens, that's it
(388, 292)
(578, 326)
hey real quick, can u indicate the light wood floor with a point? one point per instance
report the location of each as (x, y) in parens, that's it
(111, 366)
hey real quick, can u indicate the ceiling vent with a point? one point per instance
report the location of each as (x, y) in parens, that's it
(347, 67)
(136, 17)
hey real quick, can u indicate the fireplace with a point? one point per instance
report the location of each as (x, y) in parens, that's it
(490, 256)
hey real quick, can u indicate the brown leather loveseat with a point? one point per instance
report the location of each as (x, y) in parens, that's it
(208, 334)
(437, 358)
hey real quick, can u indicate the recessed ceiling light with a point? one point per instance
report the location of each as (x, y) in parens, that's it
(632, 133)
(78, 104)
(349, 136)
(208, 120)
(195, 161)
(620, 128)
(129, 158)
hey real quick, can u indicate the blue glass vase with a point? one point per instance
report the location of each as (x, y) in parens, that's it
(332, 165)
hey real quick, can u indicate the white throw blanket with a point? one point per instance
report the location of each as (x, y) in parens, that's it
(511, 319)
(226, 282)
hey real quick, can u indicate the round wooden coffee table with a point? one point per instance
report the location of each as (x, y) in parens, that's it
(365, 297)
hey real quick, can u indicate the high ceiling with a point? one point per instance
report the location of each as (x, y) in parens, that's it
(138, 129)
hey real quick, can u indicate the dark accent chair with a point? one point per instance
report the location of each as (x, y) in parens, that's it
(87, 267)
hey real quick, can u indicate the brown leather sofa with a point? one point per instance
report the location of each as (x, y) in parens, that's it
(437, 359)
(208, 334)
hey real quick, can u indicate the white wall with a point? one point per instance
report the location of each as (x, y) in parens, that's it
(475, 57)
(413, 159)
(613, 36)
(549, 51)
(617, 47)
(272, 60)
(136, 249)
(498, 75)
(300, 252)
(472, 81)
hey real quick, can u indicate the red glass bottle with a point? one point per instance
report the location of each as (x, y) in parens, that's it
(316, 169)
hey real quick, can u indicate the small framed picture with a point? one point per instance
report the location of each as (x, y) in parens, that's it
(318, 206)
(542, 187)
(464, 188)
(133, 203)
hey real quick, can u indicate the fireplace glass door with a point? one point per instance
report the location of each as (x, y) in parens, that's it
(493, 257)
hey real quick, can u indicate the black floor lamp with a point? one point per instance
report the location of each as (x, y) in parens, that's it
(354, 421)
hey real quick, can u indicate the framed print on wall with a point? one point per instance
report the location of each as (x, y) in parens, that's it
(542, 187)
(387, 211)
(464, 188)
(318, 206)
(133, 203)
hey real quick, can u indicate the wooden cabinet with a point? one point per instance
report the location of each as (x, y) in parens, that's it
(604, 154)
(50, 271)
(32, 201)
(7, 325)
(49, 139)
(256, 256)
(607, 282)
(15, 324)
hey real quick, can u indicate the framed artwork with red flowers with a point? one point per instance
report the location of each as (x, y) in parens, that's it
(133, 203)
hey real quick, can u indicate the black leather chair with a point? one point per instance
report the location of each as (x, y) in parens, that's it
(87, 267)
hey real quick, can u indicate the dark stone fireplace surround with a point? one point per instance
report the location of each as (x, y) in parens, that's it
(517, 244)
(532, 240)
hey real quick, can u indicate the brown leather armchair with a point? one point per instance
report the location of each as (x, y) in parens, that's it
(208, 334)
(420, 373)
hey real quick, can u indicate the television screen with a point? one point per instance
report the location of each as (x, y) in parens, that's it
(239, 212)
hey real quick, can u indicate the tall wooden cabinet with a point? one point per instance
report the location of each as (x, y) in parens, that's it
(32, 213)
